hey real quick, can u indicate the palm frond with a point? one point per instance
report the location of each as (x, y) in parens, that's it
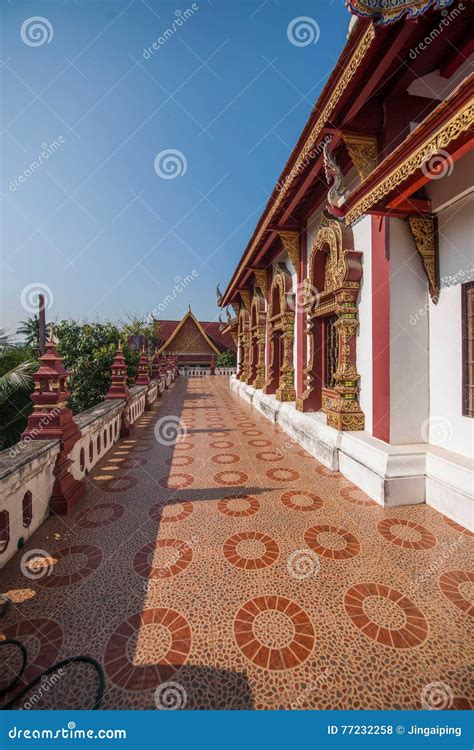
(18, 378)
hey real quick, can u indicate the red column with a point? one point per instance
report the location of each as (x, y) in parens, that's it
(380, 328)
(301, 320)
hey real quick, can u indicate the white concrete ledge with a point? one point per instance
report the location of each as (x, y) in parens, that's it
(392, 475)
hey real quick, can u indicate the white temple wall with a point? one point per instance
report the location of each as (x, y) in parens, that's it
(409, 356)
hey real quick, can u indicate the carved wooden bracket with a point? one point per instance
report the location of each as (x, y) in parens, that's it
(291, 242)
(363, 151)
(261, 279)
(423, 230)
(246, 298)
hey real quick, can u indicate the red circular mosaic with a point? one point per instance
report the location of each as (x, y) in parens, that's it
(457, 526)
(221, 444)
(251, 550)
(458, 587)
(163, 559)
(238, 506)
(252, 433)
(147, 649)
(299, 500)
(101, 514)
(273, 632)
(352, 494)
(116, 484)
(179, 461)
(225, 458)
(176, 481)
(173, 513)
(42, 638)
(269, 456)
(325, 472)
(282, 475)
(340, 545)
(385, 615)
(183, 445)
(217, 433)
(62, 559)
(260, 443)
(228, 478)
(405, 533)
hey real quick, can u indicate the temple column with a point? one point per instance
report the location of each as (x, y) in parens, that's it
(286, 390)
(259, 381)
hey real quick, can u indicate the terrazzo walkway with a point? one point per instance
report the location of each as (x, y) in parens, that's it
(231, 570)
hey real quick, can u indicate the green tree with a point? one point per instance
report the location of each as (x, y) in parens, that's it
(16, 367)
(226, 359)
(30, 330)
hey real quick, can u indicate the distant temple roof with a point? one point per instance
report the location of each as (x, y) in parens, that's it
(209, 331)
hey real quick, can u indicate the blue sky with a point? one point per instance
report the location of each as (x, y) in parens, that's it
(94, 221)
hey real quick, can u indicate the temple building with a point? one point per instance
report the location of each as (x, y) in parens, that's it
(354, 299)
(194, 343)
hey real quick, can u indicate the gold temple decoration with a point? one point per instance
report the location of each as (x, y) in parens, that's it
(291, 243)
(246, 298)
(305, 157)
(459, 123)
(423, 231)
(333, 247)
(257, 341)
(281, 320)
(261, 279)
(243, 344)
(363, 151)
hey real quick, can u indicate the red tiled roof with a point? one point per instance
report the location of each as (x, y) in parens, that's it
(221, 340)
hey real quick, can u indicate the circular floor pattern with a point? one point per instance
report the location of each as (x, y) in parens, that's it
(42, 638)
(385, 615)
(347, 493)
(332, 542)
(238, 506)
(457, 526)
(251, 550)
(176, 461)
(184, 445)
(69, 571)
(163, 559)
(101, 514)
(252, 433)
(269, 456)
(273, 632)
(301, 500)
(173, 513)
(458, 587)
(115, 484)
(282, 475)
(147, 649)
(260, 443)
(217, 433)
(222, 444)
(176, 481)
(229, 478)
(405, 533)
(225, 458)
(323, 471)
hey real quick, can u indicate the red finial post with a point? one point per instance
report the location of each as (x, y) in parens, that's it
(52, 419)
(118, 387)
(143, 377)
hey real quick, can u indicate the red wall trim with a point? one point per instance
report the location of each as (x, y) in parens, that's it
(380, 329)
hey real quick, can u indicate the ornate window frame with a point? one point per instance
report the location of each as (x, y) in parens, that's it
(337, 267)
(282, 323)
(257, 328)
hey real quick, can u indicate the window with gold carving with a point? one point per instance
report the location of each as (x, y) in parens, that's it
(468, 348)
